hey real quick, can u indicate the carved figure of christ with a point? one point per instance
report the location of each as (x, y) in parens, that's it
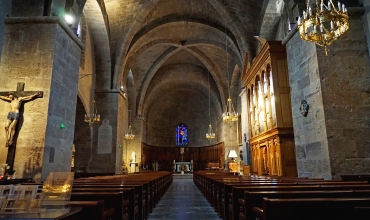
(15, 98)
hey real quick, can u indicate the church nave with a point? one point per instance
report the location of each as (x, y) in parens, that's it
(183, 201)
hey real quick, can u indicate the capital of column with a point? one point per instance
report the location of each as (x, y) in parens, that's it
(46, 20)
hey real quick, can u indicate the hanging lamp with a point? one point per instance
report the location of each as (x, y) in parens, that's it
(324, 24)
(210, 135)
(229, 115)
(129, 135)
(94, 116)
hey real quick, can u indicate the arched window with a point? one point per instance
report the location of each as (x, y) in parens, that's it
(181, 135)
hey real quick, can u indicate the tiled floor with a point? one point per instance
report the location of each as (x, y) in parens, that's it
(183, 201)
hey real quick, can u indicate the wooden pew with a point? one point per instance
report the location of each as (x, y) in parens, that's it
(312, 208)
(125, 197)
(147, 189)
(227, 194)
(216, 188)
(241, 192)
(111, 200)
(138, 203)
(255, 199)
(93, 210)
(150, 187)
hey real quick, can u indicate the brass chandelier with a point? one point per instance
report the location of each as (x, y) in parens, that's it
(324, 25)
(229, 115)
(94, 116)
(129, 135)
(210, 135)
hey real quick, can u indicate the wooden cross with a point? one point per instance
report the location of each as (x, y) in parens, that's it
(19, 93)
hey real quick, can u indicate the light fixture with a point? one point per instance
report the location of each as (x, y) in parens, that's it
(129, 135)
(210, 135)
(69, 19)
(233, 155)
(94, 116)
(324, 25)
(229, 115)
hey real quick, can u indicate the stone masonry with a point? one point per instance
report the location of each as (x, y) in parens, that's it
(332, 139)
(43, 53)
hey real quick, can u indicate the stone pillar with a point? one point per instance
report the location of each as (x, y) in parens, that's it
(43, 53)
(104, 157)
(244, 123)
(229, 132)
(333, 138)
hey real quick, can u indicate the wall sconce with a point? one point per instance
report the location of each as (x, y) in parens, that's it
(69, 19)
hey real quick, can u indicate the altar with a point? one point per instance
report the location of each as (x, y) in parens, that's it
(188, 166)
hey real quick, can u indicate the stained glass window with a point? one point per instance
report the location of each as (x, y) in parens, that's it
(181, 135)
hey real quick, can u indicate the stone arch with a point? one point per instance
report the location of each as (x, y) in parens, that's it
(131, 91)
(169, 52)
(165, 56)
(100, 36)
(138, 21)
(235, 77)
(143, 43)
(126, 41)
(149, 75)
(194, 77)
(271, 16)
(240, 39)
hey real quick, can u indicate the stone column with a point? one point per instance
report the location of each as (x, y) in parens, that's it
(333, 138)
(43, 53)
(104, 158)
(244, 123)
(230, 139)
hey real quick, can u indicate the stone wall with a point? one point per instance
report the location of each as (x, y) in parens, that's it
(332, 139)
(345, 84)
(62, 104)
(107, 104)
(310, 137)
(45, 55)
(191, 109)
(5, 7)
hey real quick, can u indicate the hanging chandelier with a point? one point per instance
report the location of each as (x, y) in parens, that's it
(129, 135)
(325, 25)
(229, 115)
(210, 135)
(94, 116)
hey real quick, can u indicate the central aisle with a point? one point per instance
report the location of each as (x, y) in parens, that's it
(183, 201)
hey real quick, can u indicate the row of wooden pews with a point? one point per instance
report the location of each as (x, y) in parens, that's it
(272, 197)
(130, 197)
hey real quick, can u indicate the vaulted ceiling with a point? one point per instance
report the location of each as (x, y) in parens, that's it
(172, 46)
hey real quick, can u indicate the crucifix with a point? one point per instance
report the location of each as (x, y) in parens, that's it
(16, 99)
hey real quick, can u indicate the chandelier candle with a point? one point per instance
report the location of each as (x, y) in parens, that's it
(331, 23)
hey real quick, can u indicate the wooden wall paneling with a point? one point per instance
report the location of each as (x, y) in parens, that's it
(200, 155)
